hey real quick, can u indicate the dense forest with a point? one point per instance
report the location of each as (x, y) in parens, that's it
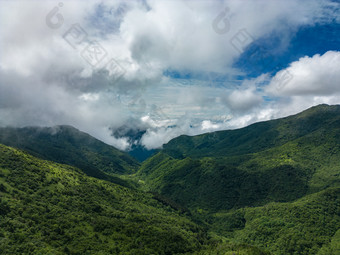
(269, 188)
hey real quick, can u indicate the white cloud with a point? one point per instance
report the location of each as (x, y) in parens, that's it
(243, 100)
(156, 138)
(317, 75)
(207, 125)
(44, 81)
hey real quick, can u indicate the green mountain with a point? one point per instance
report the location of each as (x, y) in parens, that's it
(67, 145)
(283, 163)
(310, 225)
(256, 137)
(274, 161)
(270, 188)
(49, 208)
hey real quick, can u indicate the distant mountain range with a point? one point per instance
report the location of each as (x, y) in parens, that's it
(256, 137)
(68, 145)
(271, 166)
(279, 160)
(270, 188)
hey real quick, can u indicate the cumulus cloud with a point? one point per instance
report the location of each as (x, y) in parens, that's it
(48, 80)
(317, 75)
(246, 98)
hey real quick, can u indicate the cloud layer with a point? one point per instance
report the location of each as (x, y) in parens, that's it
(48, 76)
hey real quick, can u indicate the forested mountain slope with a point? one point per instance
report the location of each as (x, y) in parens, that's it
(270, 188)
(273, 184)
(301, 158)
(50, 208)
(68, 145)
(256, 137)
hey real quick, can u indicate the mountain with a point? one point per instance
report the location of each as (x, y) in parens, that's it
(269, 166)
(256, 137)
(68, 145)
(51, 208)
(310, 225)
(270, 188)
(279, 160)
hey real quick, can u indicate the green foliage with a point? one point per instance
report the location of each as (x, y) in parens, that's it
(49, 208)
(301, 227)
(231, 249)
(274, 184)
(67, 145)
(302, 160)
(256, 137)
(270, 188)
(333, 247)
(213, 186)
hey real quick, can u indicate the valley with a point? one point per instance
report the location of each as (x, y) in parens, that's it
(270, 188)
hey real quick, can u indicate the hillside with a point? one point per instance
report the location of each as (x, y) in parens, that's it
(274, 165)
(256, 137)
(310, 225)
(49, 208)
(286, 166)
(269, 188)
(281, 174)
(68, 145)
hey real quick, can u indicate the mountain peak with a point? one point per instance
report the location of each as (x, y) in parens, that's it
(321, 108)
(256, 137)
(68, 145)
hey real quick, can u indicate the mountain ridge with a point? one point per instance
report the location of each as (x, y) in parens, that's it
(263, 130)
(272, 184)
(52, 208)
(300, 162)
(269, 188)
(68, 145)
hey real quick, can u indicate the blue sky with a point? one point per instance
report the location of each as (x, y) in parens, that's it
(166, 67)
(307, 41)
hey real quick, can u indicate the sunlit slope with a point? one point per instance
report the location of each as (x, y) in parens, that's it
(49, 208)
(309, 225)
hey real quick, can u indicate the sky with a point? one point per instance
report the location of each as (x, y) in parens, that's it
(165, 68)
